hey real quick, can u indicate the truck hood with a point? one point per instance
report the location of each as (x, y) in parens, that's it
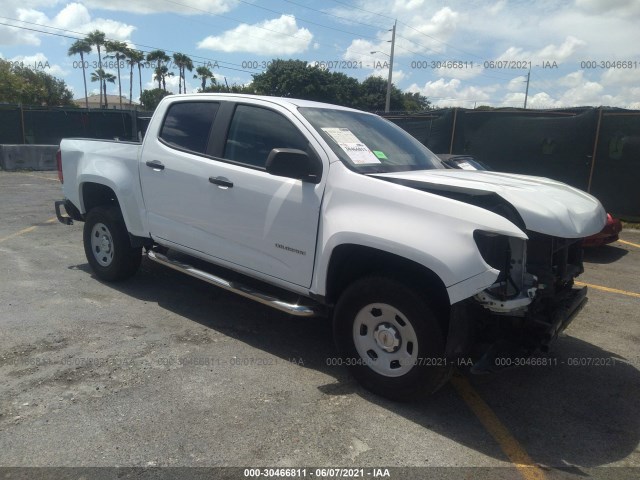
(546, 206)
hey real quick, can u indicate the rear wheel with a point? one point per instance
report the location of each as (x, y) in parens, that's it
(107, 245)
(390, 339)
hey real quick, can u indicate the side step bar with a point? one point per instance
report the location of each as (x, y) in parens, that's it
(236, 287)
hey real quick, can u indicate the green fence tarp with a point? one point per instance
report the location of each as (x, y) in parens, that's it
(557, 144)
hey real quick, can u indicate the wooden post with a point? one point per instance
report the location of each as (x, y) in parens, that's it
(453, 131)
(595, 149)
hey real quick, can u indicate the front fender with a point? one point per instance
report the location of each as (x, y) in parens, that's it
(430, 230)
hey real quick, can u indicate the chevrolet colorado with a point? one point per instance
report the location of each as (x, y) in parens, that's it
(316, 209)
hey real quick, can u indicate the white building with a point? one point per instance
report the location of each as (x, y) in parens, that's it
(113, 102)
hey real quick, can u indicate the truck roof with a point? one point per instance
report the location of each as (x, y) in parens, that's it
(284, 101)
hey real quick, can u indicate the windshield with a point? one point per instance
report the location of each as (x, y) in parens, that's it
(368, 143)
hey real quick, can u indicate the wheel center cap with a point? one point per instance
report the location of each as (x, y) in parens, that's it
(105, 244)
(387, 337)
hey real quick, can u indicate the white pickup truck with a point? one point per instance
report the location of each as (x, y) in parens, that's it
(316, 209)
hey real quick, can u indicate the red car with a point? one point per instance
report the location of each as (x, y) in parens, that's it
(608, 234)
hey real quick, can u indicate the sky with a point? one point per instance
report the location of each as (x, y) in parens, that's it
(464, 53)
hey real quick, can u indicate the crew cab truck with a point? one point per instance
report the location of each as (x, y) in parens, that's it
(316, 209)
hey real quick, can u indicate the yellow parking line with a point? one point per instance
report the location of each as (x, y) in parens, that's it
(17, 234)
(607, 289)
(25, 230)
(53, 179)
(629, 243)
(509, 445)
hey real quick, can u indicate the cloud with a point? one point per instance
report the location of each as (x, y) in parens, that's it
(497, 7)
(560, 52)
(625, 8)
(40, 62)
(586, 93)
(422, 40)
(360, 50)
(398, 75)
(619, 77)
(74, 17)
(172, 83)
(516, 84)
(16, 35)
(259, 38)
(372, 11)
(451, 93)
(429, 35)
(462, 70)
(567, 33)
(184, 7)
(550, 52)
(407, 5)
(423, 36)
(579, 89)
(541, 100)
(571, 90)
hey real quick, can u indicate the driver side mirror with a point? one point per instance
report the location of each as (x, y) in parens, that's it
(293, 163)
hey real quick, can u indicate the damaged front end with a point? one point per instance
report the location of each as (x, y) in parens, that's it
(532, 300)
(514, 288)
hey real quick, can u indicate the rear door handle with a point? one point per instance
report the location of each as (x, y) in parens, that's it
(155, 164)
(221, 182)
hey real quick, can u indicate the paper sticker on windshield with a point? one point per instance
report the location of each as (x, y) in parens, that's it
(380, 155)
(357, 151)
(341, 135)
(465, 166)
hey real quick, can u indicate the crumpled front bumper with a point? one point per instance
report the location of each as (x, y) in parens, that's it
(566, 309)
(542, 330)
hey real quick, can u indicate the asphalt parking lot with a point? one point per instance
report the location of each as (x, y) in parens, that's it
(165, 371)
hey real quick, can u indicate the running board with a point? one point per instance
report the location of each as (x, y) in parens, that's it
(236, 287)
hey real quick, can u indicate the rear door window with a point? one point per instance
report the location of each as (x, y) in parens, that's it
(187, 125)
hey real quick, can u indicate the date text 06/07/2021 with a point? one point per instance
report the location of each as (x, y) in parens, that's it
(337, 472)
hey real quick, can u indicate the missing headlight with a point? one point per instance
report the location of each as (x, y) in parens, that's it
(494, 248)
(508, 255)
(514, 288)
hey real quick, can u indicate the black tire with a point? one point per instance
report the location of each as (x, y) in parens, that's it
(107, 245)
(374, 317)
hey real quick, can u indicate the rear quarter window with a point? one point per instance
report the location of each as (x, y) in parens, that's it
(187, 125)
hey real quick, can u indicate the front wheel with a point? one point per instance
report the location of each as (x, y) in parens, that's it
(107, 245)
(390, 339)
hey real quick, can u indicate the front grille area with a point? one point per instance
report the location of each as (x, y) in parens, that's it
(555, 261)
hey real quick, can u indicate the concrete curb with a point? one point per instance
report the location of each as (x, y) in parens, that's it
(28, 157)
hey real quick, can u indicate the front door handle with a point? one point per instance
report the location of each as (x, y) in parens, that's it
(155, 164)
(221, 182)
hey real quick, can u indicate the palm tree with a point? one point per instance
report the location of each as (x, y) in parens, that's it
(80, 47)
(184, 63)
(158, 56)
(118, 49)
(97, 38)
(134, 57)
(204, 73)
(103, 77)
(188, 64)
(161, 74)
